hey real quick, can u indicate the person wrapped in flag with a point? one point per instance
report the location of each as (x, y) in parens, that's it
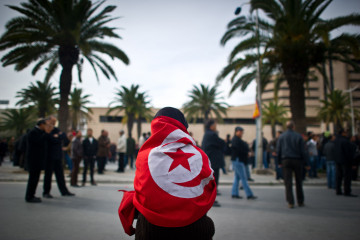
(174, 185)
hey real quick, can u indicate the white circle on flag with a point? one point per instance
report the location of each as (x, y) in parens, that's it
(159, 165)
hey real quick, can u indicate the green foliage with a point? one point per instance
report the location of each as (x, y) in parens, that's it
(17, 120)
(293, 39)
(336, 109)
(204, 103)
(40, 97)
(78, 108)
(274, 113)
(61, 32)
(45, 26)
(135, 104)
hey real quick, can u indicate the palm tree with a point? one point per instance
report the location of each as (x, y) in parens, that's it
(204, 103)
(273, 114)
(133, 103)
(78, 108)
(336, 109)
(57, 32)
(294, 39)
(143, 111)
(17, 120)
(41, 97)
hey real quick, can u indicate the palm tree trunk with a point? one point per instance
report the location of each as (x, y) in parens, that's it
(273, 130)
(130, 123)
(65, 86)
(296, 82)
(206, 119)
(138, 127)
(68, 56)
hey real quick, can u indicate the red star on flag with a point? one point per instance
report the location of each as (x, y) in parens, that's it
(180, 158)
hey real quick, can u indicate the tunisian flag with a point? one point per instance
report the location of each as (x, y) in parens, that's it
(174, 183)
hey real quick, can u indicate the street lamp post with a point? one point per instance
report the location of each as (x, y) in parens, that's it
(350, 90)
(259, 140)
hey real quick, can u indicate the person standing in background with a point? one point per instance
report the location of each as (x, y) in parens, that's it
(11, 147)
(3, 149)
(103, 151)
(121, 149)
(344, 153)
(330, 154)
(67, 150)
(90, 148)
(36, 152)
(54, 161)
(76, 156)
(272, 149)
(214, 147)
(313, 155)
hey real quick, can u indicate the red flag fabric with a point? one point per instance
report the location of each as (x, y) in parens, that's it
(174, 183)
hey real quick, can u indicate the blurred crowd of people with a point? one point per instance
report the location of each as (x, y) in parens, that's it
(336, 155)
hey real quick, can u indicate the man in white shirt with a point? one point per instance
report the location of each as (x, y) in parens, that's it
(121, 149)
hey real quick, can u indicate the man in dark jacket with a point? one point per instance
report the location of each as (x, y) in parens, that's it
(291, 157)
(214, 147)
(54, 161)
(90, 146)
(344, 157)
(239, 157)
(36, 157)
(329, 152)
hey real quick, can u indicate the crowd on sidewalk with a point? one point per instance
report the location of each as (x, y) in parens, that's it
(171, 165)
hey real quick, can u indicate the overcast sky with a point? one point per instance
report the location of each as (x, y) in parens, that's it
(172, 45)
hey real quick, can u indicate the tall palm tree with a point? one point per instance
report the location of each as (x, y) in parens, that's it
(17, 120)
(133, 103)
(41, 97)
(294, 38)
(57, 32)
(204, 103)
(143, 111)
(78, 108)
(274, 113)
(336, 109)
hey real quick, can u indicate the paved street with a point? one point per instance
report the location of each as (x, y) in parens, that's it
(92, 214)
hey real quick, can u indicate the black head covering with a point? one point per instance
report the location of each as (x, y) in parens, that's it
(173, 113)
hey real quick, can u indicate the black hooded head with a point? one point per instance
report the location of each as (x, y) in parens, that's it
(172, 113)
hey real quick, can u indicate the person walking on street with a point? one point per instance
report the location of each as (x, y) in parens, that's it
(121, 149)
(239, 157)
(54, 161)
(291, 156)
(36, 157)
(90, 148)
(344, 153)
(103, 151)
(329, 152)
(76, 156)
(214, 147)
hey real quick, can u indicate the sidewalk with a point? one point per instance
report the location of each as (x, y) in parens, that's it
(9, 173)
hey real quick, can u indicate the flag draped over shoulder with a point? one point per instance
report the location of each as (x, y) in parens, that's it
(174, 183)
